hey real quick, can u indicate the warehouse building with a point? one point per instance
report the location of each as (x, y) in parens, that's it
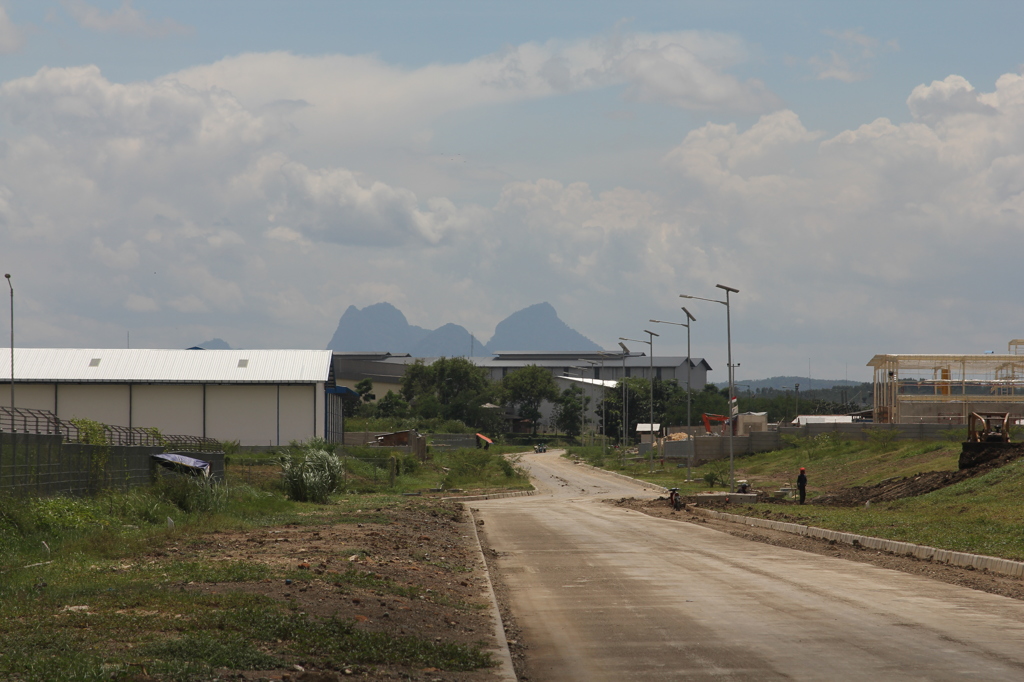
(257, 397)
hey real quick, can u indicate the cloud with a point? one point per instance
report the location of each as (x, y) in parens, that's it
(353, 97)
(853, 57)
(12, 38)
(186, 197)
(125, 19)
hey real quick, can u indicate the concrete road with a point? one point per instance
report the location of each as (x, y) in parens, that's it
(603, 593)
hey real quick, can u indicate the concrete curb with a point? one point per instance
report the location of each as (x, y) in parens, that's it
(944, 556)
(646, 484)
(492, 496)
(506, 671)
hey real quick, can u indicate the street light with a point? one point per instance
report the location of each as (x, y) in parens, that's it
(732, 392)
(625, 404)
(689, 370)
(8, 276)
(650, 342)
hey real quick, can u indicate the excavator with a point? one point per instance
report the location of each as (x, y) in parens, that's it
(719, 418)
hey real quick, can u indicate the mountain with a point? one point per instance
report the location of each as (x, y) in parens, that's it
(383, 328)
(378, 327)
(539, 328)
(449, 340)
(788, 382)
(214, 344)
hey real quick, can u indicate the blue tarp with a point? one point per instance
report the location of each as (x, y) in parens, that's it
(183, 464)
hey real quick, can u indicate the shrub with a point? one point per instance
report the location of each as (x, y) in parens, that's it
(312, 476)
(192, 494)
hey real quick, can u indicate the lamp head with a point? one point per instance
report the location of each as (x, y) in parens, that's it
(688, 315)
(651, 333)
(725, 288)
(623, 347)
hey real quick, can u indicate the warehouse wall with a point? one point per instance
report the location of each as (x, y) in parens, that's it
(253, 414)
(170, 408)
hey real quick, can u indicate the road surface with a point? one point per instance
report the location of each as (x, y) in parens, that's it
(603, 593)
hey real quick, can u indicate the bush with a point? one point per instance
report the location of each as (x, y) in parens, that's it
(312, 476)
(192, 494)
(717, 474)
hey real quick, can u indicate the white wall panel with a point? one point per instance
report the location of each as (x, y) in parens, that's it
(246, 413)
(107, 403)
(297, 405)
(175, 410)
(31, 396)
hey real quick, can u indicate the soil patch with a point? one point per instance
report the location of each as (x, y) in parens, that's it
(407, 570)
(977, 580)
(911, 486)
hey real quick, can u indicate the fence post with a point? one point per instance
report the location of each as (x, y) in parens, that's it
(392, 470)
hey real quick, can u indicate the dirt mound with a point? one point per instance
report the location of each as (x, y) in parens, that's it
(896, 488)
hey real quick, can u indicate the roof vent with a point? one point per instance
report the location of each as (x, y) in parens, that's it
(95, 362)
(243, 363)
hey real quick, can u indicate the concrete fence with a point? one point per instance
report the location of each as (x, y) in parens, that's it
(711, 448)
(43, 464)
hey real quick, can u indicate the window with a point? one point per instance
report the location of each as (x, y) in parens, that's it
(95, 362)
(243, 363)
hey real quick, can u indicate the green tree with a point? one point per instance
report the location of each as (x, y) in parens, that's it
(392, 405)
(449, 388)
(567, 411)
(526, 388)
(365, 390)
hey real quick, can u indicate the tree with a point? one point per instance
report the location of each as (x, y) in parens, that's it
(450, 388)
(568, 408)
(365, 390)
(526, 388)
(392, 405)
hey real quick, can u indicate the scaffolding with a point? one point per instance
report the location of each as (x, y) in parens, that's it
(945, 389)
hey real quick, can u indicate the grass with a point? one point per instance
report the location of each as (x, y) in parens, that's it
(82, 598)
(982, 515)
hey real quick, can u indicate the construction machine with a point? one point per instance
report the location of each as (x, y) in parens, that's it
(988, 437)
(722, 419)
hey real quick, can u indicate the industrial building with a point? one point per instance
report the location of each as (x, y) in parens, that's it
(257, 397)
(945, 389)
(386, 369)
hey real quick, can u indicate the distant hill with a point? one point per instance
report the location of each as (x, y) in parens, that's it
(214, 344)
(383, 328)
(787, 382)
(539, 328)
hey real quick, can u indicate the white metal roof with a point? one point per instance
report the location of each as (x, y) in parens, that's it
(142, 365)
(607, 383)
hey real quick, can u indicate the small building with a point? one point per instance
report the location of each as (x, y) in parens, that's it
(257, 397)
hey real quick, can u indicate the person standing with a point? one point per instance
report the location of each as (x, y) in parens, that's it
(801, 484)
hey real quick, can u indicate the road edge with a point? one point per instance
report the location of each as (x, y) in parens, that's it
(615, 474)
(506, 670)
(1014, 569)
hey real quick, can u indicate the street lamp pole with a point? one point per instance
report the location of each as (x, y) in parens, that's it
(625, 402)
(8, 276)
(650, 343)
(689, 371)
(732, 389)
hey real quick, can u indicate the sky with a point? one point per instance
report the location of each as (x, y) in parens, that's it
(247, 169)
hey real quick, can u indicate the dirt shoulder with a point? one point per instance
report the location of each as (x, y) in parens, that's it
(977, 580)
(409, 570)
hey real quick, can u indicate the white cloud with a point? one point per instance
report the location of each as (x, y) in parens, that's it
(853, 57)
(125, 19)
(353, 97)
(12, 38)
(185, 196)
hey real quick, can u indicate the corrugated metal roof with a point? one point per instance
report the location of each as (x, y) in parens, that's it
(144, 365)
